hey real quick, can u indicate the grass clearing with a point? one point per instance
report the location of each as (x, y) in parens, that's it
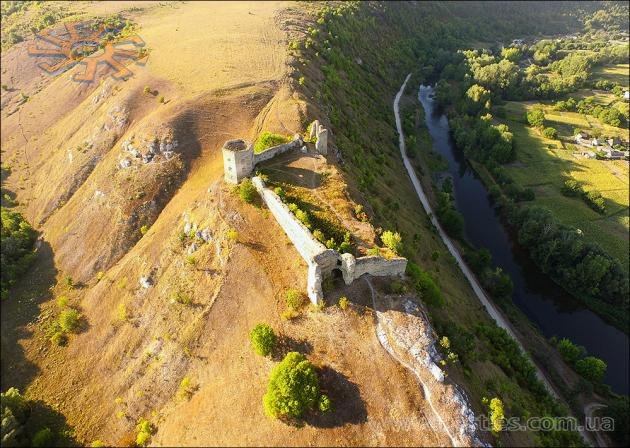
(618, 73)
(545, 164)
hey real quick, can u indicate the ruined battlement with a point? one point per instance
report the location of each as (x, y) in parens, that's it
(239, 158)
(321, 260)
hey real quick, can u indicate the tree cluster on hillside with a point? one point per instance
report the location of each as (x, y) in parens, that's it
(560, 251)
(17, 240)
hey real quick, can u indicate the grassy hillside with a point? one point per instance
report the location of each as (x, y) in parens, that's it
(354, 63)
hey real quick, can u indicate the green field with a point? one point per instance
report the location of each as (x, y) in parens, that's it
(616, 73)
(544, 164)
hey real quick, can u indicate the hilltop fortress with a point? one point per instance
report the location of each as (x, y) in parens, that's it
(239, 161)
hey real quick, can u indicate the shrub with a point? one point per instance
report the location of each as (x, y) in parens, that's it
(301, 80)
(392, 240)
(569, 351)
(59, 338)
(97, 444)
(161, 99)
(69, 320)
(324, 404)
(263, 339)
(144, 428)
(294, 299)
(68, 281)
(267, 139)
(571, 188)
(146, 90)
(121, 312)
(232, 234)
(343, 303)
(591, 368)
(43, 438)
(182, 297)
(536, 117)
(289, 314)
(425, 285)
(62, 301)
(144, 229)
(496, 414)
(293, 387)
(17, 240)
(550, 133)
(595, 201)
(247, 191)
(185, 389)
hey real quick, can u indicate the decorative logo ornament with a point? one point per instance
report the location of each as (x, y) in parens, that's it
(88, 47)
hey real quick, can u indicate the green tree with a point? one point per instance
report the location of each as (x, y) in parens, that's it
(569, 351)
(550, 133)
(591, 368)
(618, 410)
(14, 411)
(392, 240)
(496, 414)
(43, 438)
(293, 387)
(247, 191)
(511, 54)
(17, 240)
(536, 117)
(263, 339)
(69, 320)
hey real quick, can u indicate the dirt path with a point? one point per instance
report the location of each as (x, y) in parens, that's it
(496, 315)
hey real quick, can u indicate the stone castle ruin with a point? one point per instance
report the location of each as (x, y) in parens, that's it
(239, 161)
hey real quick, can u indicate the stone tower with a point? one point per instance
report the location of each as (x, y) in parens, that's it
(238, 160)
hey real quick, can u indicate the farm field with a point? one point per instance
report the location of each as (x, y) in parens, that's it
(545, 164)
(616, 73)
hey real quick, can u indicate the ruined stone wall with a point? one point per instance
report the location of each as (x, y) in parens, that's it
(379, 266)
(275, 150)
(322, 261)
(298, 233)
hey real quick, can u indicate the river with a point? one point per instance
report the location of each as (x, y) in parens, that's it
(542, 301)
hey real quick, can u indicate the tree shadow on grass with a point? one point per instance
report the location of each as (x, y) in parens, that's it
(286, 344)
(44, 416)
(347, 404)
(19, 309)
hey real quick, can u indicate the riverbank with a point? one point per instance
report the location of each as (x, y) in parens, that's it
(544, 303)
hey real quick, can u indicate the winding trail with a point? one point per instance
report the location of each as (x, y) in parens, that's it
(496, 315)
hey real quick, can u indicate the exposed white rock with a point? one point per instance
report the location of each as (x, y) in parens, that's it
(187, 228)
(125, 163)
(146, 282)
(192, 248)
(206, 235)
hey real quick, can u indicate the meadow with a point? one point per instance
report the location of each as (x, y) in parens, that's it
(544, 165)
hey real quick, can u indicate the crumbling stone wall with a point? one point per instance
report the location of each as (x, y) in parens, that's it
(270, 153)
(322, 261)
(239, 159)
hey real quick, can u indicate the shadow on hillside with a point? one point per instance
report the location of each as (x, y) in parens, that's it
(19, 309)
(44, 416)
(7, 197)
(286, 344)
(347, 404)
